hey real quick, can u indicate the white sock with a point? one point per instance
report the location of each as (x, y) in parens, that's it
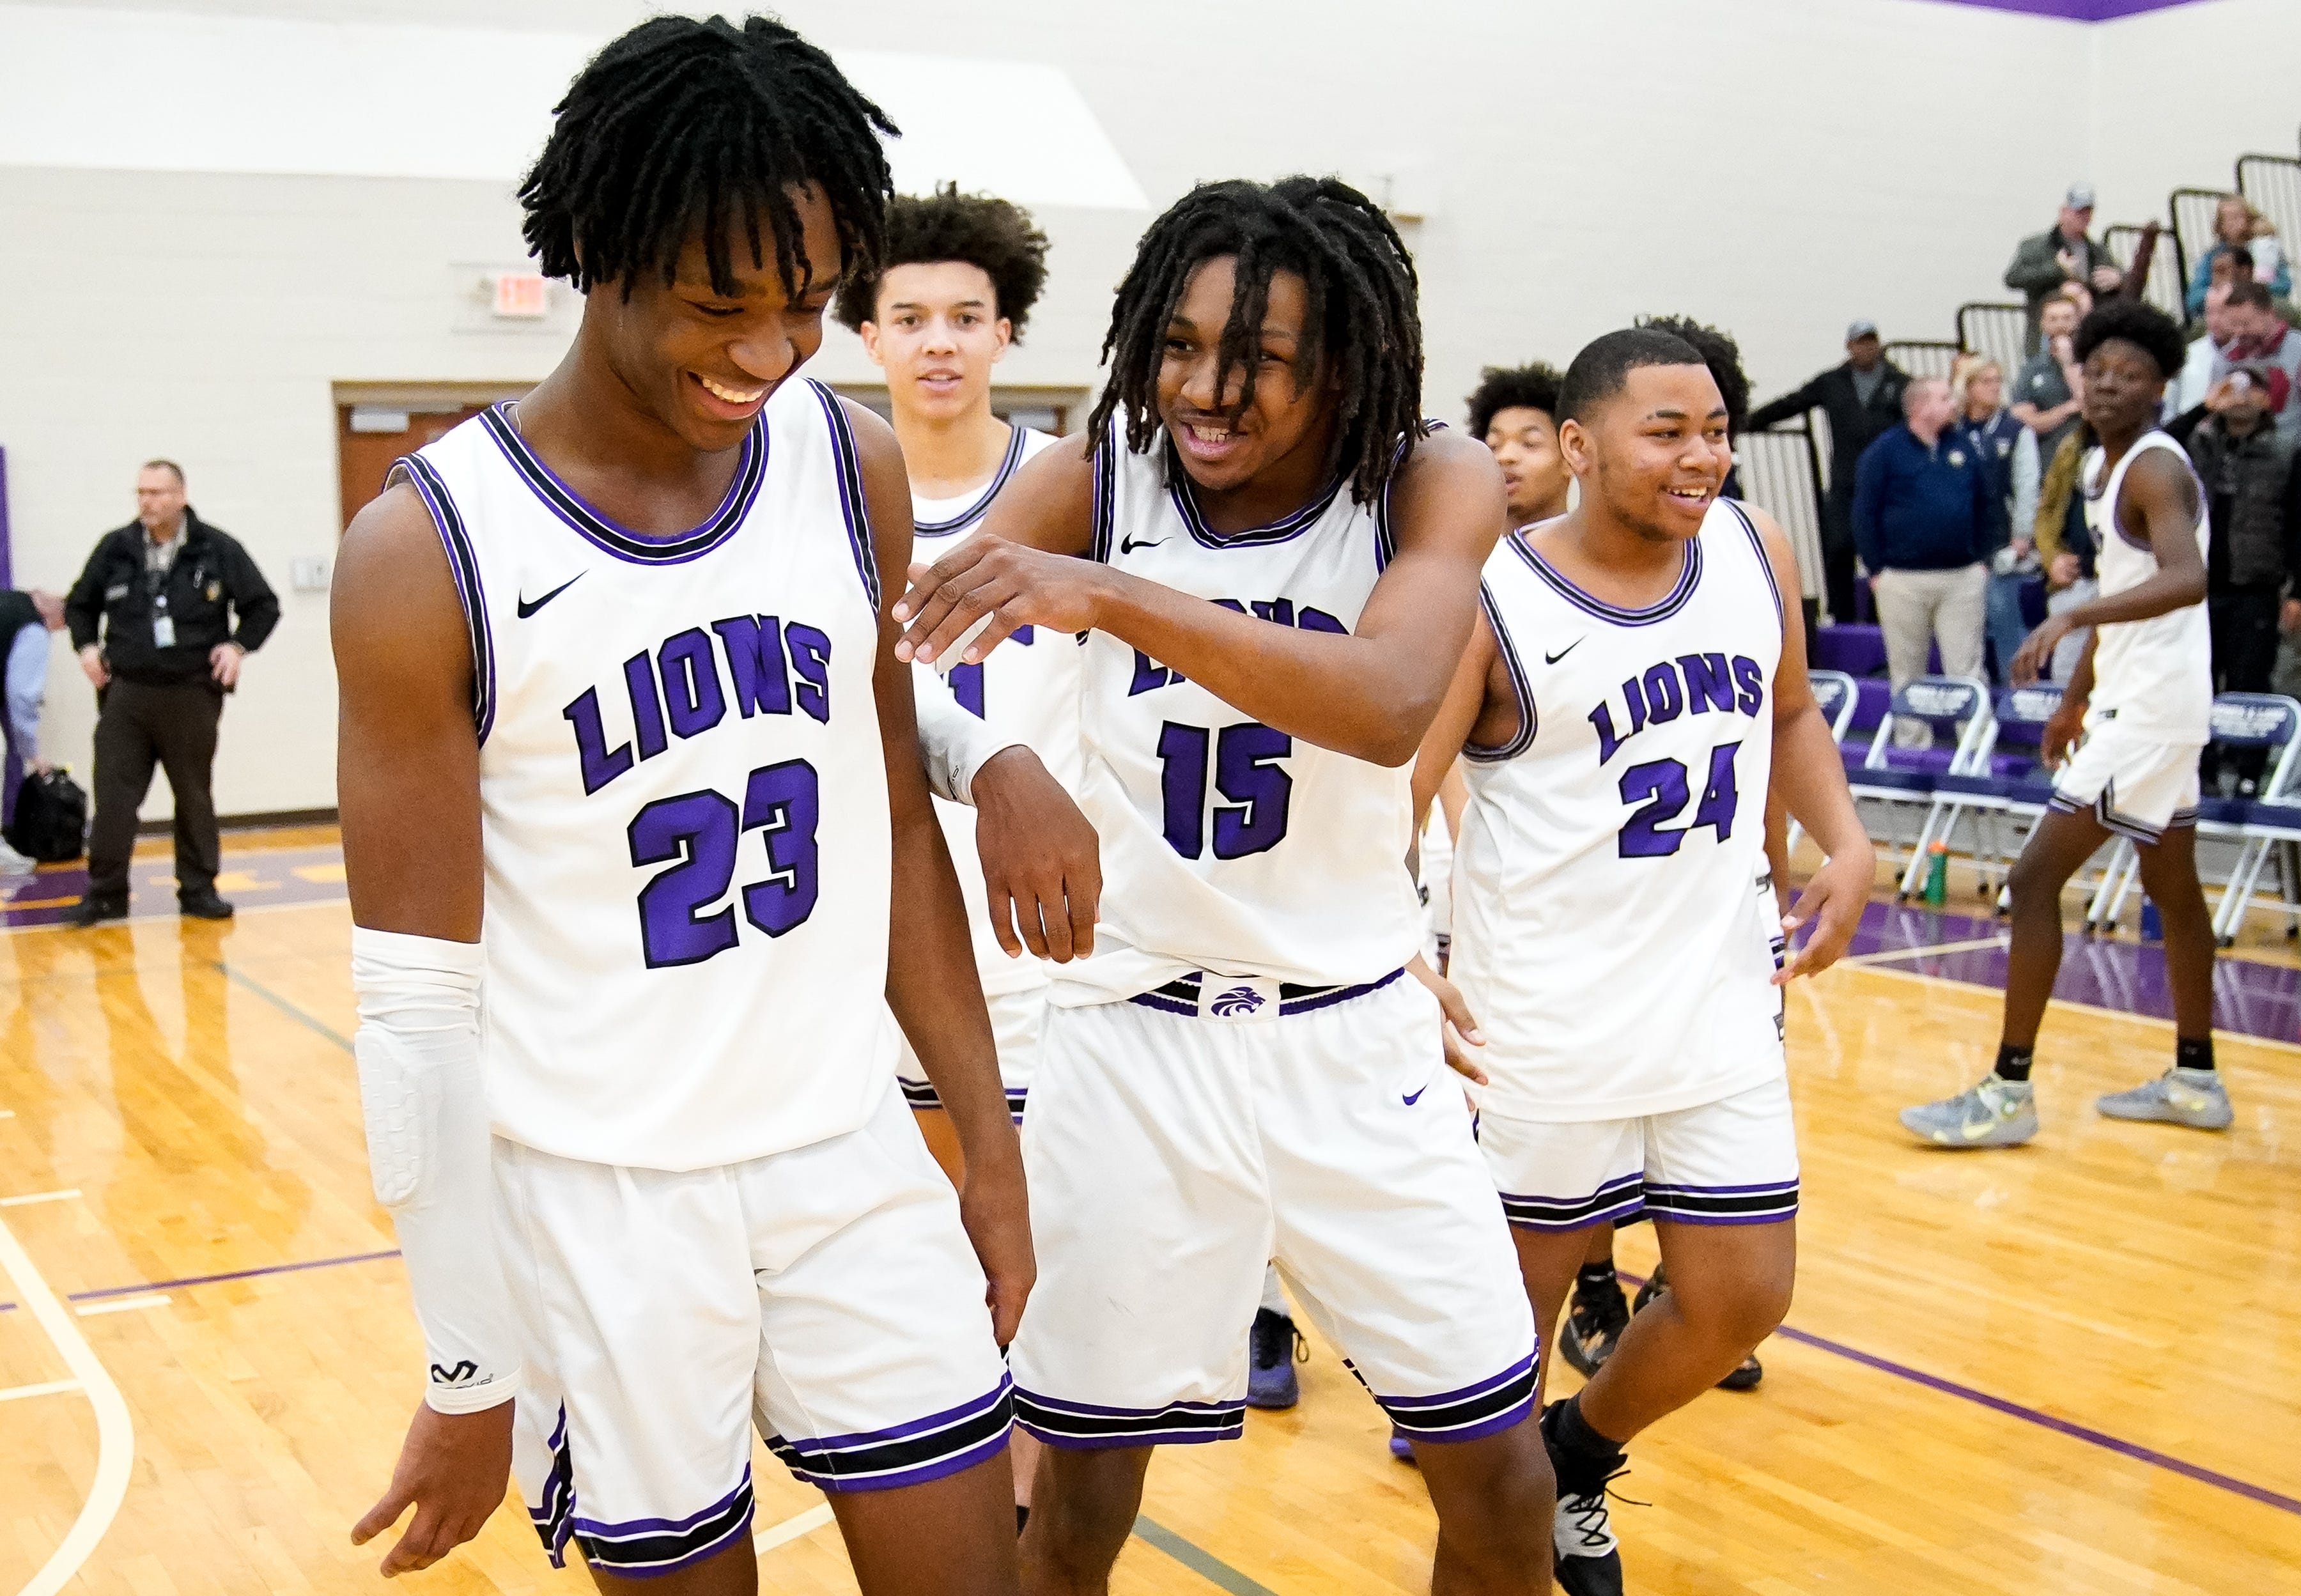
(1274, 1297)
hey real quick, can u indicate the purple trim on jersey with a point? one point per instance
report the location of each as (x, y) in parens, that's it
(1086, 1426)
(1769, 1202)
(1483, 1408)
(1617, 1199)
(2124, 826)
(2178, 453)
(1285, 530)
(1166, 1004)
(1781, 615)
(553, 1516)
(569, 507)
(1614, 613)
(1007, 463)
(463, 565)
(647, 1547)
(1339, 995)
(1182, 995)
(852, 504)
(1102, 529)
(907, 1454)
(1520, 690)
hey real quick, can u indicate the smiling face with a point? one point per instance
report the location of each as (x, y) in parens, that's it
(936, 331)
(1288, 424)
(1655, 455)
(2057, 319)
(703, 362)
(1525, 444)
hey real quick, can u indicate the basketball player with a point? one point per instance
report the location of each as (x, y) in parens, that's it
(2138, 709)
(953, 291)
(1599, 1311)
(630, 796)
(1515, 410)
(1280, 569)
(1636, 685)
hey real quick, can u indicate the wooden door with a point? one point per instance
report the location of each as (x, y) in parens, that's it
(363, 456)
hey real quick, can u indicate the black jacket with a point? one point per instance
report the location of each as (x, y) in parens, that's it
(212, 577)
(1854, 426)
(2250, 487)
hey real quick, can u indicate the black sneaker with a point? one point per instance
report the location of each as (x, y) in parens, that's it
(93, 910)
(1594, 1322)
(1746, 1374)
(1272, 1348)
(1588, 1558)
(204, 904)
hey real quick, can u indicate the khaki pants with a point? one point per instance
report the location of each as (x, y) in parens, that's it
(1916, 609)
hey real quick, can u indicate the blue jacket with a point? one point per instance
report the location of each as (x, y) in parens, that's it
(1994, 442)
(1921, 509)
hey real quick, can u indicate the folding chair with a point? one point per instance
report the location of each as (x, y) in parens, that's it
(1838, 696)
(2265, 826)
(1899, 778)
(1999, 786)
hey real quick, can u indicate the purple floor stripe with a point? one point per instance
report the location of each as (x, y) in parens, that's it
(2011, 1409)
(209, 1279)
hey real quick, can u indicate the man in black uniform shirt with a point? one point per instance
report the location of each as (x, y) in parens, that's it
(163, 589)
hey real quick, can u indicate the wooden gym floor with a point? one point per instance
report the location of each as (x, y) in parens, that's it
(2071, 1367)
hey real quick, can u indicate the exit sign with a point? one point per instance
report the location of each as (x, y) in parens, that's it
(522, 296)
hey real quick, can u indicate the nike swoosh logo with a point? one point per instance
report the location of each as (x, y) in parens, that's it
(1552, 659)
(527, 609)
(1411, 1101)
(1129, 545)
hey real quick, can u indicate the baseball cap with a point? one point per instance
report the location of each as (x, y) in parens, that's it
(1862, 330)
(2079, 197)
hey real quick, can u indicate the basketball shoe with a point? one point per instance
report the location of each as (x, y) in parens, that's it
(2179, 1097)
(1595, 1322)
(1589, 1558)
(1992, 1113)
(1273, 1346)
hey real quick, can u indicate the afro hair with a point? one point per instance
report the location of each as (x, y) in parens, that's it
(1512, 388)
(993, 234)
(2145, 326)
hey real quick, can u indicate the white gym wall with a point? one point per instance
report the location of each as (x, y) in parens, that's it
(341, 181)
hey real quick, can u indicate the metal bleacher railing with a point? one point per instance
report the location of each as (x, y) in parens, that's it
(2000, 332)
(2192, 210)
(1781, 472)
(2167, 281)
(2272, 184)
(1924, 357)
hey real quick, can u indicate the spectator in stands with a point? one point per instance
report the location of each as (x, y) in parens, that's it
(2207, 360)
(152, 618)
(1862, 399)
(2268, 347)
(2238, 226)
(25, 620)
(1514, 411)
(2063, 252)
(1926, 513)
(2049, 389)
(2253, 509)
(1989, 430)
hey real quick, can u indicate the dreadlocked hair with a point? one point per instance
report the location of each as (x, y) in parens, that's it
(679, 125)
(1721, 354)
(1362, 330)
(994, 235)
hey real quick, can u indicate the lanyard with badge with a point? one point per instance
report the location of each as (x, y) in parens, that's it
(156, 584)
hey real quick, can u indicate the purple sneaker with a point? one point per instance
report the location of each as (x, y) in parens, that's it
(1273, 1346)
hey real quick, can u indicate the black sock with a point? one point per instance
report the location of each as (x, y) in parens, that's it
(1022, 1519)
(2194, 1052)
(1596, 1277)
(2013, 1063)
(1577, 1441)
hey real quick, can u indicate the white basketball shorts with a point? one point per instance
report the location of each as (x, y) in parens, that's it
(1015, 1019)
(1171, 1157)
(1731, 1162)
(828, 1294)
(2134, 785)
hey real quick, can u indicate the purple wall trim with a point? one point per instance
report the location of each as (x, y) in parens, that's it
(2076, 10)
(7, 560)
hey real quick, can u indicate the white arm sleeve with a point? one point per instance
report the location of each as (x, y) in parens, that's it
(425, 1104)
(954, 745)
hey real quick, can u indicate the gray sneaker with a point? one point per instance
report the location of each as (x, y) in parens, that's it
(1995, 1113)
(2179, 1097)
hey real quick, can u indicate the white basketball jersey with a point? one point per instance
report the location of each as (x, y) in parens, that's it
(682, 795)
(1027, 690)
(1229, 847)
(1614, 927)
(2155, 676)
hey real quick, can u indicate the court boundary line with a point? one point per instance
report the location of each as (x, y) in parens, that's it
(1882, 956)
(1197, 1558)
(790, 1529)
(115, 1428)
(2247, 1038)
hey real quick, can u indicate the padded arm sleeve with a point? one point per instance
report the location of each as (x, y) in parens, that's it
(954, 745)
(425, 1104)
